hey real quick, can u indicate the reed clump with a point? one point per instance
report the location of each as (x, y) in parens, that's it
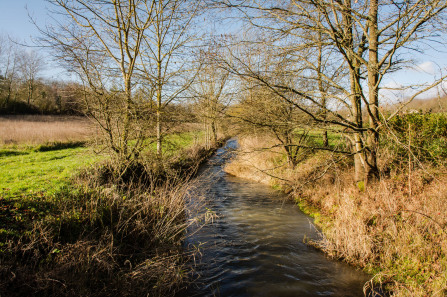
(256, 160)
(397, 236)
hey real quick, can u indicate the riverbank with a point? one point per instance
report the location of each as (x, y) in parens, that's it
(394, 228)
(70, 227)
(238, 258)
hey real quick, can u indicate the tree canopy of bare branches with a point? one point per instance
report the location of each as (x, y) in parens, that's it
(337, 54)
(128, 54)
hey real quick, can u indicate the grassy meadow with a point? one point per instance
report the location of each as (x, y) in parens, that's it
(30, 171)
(39, 156)
(69, 227)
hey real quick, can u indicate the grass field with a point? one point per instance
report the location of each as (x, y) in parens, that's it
(67, 224)
(40, 156)
(25, 172)
(36, 129)
(41, 153)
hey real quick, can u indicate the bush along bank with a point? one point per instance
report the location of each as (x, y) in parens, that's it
(393, 228)
(102, 234)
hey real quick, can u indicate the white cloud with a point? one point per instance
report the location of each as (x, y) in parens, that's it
(427, 67)
(392, 85)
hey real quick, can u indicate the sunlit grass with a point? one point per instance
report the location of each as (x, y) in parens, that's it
(28, 171)
(314, 137)
(172, 143)
(25, 172)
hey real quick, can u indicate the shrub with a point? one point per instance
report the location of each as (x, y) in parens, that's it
(422, 135)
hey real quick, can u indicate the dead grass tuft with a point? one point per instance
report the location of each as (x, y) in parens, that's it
(256, 161)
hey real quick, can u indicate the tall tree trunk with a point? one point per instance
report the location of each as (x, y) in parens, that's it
(159, 81)
(373, 76)
(30, 91)
(127, 118)
(8, 97)
(358, 146)
(356, 99)
(325, 139)
(159, 136)
(321, 87)
(289, 147)
(214, 130)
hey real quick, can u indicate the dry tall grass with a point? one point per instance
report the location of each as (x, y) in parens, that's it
(256, 161)
(37, 129)
(398, 236)
(394, 228)
(433, 105)
(105, 241)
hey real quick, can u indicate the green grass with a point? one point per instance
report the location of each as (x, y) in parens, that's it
(175, 142)
(315, 137)
(35, 179)
(46, 169)
(29, 172)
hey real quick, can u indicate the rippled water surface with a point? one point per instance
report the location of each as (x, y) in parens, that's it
(255, 247)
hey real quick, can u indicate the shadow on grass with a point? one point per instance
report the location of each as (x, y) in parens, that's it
(17, 214)
(54, 146)
(8, 153)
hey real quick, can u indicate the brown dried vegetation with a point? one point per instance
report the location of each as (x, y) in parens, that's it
(394, 228)
(107, 240)
(36, 129)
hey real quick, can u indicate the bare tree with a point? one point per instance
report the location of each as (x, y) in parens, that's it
(101, 41)
(210, 92)
(364, 45)
(30, 65)
(166, 64)
(269, 113)
(263, 108)
(9, 64)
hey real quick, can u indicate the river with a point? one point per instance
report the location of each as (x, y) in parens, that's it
(255, 246)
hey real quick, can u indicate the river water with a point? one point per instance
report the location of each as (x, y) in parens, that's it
(255, 247)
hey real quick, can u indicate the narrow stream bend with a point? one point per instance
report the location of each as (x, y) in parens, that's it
(255, 247)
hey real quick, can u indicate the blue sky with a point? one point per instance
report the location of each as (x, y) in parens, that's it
(15, 22)
(429, 66)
